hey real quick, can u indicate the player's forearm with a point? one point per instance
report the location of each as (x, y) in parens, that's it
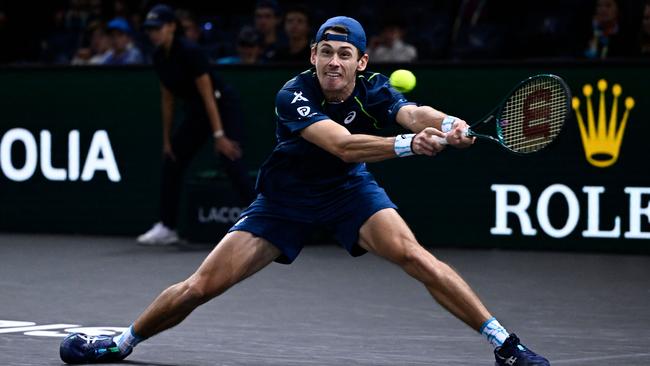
(359, 148)
(417, 119)
(213, 114)
(204, 85)
(167, 117)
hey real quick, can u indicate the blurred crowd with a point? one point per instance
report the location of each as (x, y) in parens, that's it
(110, 32)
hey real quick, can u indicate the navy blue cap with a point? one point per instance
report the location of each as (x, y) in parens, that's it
(158, 16)
(356, 35)
(119, 24)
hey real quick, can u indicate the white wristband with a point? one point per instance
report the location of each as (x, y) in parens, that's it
(402, 145)
(447, 123)
(218, 134)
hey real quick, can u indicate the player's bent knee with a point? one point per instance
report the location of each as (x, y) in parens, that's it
(197, 291)
(408, 251)
(421, 264)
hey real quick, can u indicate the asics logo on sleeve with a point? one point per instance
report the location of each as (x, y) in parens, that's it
(297, 96)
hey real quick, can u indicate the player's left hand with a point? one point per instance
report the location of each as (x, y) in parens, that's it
(456, 136)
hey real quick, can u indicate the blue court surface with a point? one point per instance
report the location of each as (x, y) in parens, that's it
(325, 309)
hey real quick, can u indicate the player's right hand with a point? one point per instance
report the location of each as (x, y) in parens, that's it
(168, 152)
(424, 143)
(227, 147)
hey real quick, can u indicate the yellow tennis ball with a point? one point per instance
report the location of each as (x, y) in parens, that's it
(402, 80)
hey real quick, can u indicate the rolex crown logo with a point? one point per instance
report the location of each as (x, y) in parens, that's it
(602, 141)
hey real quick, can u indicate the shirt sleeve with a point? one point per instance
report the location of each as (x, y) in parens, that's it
(297, 110)
(385, 101)
(197, 62)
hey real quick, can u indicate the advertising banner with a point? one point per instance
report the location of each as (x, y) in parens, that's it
(80, 152)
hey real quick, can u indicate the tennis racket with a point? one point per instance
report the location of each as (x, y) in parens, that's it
(529, 118)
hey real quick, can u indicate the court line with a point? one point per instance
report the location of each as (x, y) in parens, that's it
(601, 358)
(38, 327)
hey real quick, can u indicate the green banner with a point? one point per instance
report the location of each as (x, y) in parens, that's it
(80, 152)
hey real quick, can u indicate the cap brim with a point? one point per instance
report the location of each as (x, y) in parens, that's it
(126, 31)
(153, 23)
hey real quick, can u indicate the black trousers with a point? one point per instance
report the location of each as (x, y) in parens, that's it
(188, 138)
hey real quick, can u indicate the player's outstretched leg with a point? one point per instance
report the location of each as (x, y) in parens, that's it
(387, 235)
(237, 256)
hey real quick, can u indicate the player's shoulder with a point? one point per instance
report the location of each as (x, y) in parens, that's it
(373, 80)
(303, 86)
(187, 44)
(305, 80)
(188, 49)
(374, 87)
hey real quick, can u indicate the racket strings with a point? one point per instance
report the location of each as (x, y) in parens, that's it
(533, 115)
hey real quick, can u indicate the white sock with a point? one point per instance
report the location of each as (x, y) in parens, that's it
(127, 340)
(495, 333)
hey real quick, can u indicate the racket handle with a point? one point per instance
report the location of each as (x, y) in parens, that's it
(443, 141)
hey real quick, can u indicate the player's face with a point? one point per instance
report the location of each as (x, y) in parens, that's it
(162, 35)
(337, 64)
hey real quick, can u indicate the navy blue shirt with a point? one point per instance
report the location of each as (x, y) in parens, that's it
(178, 70)
(301, 173)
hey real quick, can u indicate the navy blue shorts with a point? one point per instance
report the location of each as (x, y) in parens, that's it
(288, 227)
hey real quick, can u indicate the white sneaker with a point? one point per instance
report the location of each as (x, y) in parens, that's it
(159, 234)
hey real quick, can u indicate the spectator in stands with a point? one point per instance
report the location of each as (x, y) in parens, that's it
(211, 113)
(98, 48)
(389, 45)
(121, 9)
(644, 41)
(77, 16)
(481, 28)
(607, 38)
(4, 38)
(193, 31)
(189, 24)
(123, 51)
(95, 10)
(267, 21)
(62, 40)
(297, 27)
(249, 48)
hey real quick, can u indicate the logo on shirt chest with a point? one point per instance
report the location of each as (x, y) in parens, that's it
(350, 117)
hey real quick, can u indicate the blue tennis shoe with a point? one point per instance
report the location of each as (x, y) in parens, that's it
(512, 353)
(79, 348)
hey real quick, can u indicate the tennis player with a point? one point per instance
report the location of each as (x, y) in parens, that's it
(316, 177)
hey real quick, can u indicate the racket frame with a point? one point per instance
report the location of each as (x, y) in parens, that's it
(496, 113)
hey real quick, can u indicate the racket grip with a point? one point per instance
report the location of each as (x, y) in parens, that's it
(443, 141)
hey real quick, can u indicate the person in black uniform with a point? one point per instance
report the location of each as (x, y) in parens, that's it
(211, 111)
